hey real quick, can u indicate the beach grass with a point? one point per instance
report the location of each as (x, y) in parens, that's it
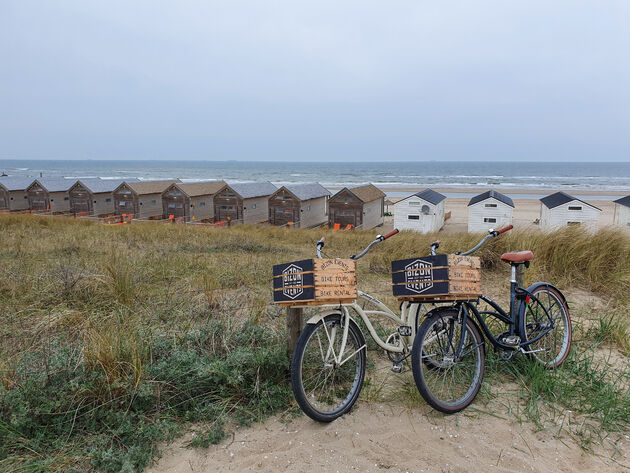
(116, 338)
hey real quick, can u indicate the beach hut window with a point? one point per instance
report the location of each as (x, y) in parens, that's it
(180, 205)
(171, 205)
(491, 205)
(108, 200)
(202, 204)
(253, 206)
(154, 202)
(414, 204)
(575, 207)
(413, 217)
(66, 198)
(122, 204)
(489, 220)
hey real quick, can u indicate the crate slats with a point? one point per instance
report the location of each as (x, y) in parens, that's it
(439, 277)
(315, 282)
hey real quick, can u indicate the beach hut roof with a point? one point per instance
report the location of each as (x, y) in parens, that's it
(249, 190)
(96, 185)
(307, 191)
(431, 196)
(196, 189)
(150, 187)
(367, 193)
(55, 184)
(623, 201)
(491, 194)
(560, 198)
(16, 183)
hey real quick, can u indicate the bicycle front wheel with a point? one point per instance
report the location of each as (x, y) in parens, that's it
(546, 317)
(325, 381)
(448, 378)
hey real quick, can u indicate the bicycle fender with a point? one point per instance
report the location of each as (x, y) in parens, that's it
(316, 318)
(538, 284)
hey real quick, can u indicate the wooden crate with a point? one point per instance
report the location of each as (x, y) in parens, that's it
(439, 277)
(315, 282)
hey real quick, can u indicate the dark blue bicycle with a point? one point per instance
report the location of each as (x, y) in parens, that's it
(448, 356)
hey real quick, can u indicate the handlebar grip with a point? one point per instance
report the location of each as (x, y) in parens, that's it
(390, 234)
(505, 229)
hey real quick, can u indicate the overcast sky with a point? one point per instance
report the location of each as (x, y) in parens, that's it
(330, 80)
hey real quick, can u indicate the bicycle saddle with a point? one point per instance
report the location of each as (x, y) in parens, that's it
(517, 257)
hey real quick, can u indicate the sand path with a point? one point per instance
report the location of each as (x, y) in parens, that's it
(378, 437)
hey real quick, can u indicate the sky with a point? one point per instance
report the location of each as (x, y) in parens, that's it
(328, 80)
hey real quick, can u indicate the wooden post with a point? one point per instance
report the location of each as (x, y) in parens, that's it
(520, 275)
(295, 316)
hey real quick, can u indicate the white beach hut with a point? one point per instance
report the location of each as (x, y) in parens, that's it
(488, 210)
(421, 212)
(13, 195)
(559, 210)
(622, 212)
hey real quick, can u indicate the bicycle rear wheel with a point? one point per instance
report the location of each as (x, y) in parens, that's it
(326, 388)
(446, 382)
(547, 312)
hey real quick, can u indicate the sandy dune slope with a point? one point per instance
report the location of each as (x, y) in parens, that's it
(378, 437)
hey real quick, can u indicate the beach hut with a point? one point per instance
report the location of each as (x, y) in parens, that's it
(488, 210)
(421, 212)
(141, 199)
(559, 210)
(192, 201)
(50, 194)
(622, 212)
(245, 202)
(94, 196)
(303, 205)
(13, 195)
(362, 206)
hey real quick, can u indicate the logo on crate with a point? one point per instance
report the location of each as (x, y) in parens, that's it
(419, 276)
(291, 277)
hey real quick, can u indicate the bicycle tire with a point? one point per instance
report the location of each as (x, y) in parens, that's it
(547, 300)
(444, 327)
(309, 364)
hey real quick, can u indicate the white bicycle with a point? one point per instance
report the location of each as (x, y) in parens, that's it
(328, 365)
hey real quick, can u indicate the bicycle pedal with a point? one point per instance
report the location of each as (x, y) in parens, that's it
(512, 340)
(397, 368)
(404, 331)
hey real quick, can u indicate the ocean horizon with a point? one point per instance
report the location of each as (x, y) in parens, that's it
(505, 176)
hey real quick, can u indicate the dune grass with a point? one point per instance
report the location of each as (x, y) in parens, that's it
(114, 338)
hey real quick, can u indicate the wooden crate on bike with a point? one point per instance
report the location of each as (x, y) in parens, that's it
(315, 282)
(437, 278)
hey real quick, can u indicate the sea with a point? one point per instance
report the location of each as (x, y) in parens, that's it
(538, 178)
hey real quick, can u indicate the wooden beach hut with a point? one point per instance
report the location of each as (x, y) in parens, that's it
(94, 196)
(490, 209)
(244, 202)
(141, 199)
(303, 205)
(362, 206)
(50, 194)
(560, 209)
(13, 195)
(622, 212)
(191, 201)
(421, 212)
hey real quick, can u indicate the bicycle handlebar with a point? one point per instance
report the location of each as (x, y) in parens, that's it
(492, 234)
(390, 234)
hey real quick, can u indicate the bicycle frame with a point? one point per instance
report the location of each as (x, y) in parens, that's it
(409, 312)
